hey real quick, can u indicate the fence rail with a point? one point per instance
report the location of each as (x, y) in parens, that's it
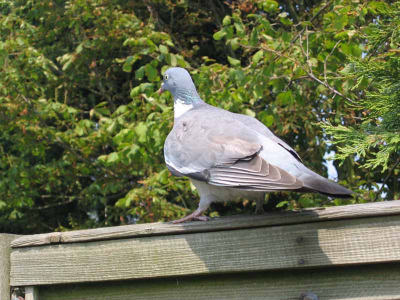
(347, 252)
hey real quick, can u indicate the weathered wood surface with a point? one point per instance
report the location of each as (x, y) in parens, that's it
(31, 293)
(219, 224)
(355, 283)
(331, 243)
(5, 241)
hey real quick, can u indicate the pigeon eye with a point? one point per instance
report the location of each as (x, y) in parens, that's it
(166, 76)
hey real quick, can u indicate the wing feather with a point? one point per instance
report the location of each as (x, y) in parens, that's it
(225, 155)
(256, 174)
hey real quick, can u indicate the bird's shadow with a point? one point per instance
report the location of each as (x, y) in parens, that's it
(277, 240)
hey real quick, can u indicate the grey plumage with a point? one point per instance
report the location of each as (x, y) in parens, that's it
(229, 155)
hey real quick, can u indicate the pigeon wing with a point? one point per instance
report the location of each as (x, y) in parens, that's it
(223, 153)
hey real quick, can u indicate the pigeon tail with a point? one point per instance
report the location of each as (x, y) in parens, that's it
(324, 186)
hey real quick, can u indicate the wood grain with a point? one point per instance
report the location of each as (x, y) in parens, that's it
(355, 283)
(5, 250)
(332, 243)
(31, 293)
(219, 224)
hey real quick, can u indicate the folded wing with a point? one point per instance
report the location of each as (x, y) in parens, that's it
(227, 156)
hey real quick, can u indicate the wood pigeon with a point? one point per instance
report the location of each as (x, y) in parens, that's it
(228, 155)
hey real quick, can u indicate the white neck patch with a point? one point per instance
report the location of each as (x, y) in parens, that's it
(180, 108)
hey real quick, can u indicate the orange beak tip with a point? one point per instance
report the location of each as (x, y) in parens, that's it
(160, 91)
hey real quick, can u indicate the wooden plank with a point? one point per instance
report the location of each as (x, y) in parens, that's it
(31, 293)
(5, 241)
(357, 241)
(218, 224)
(357, 283)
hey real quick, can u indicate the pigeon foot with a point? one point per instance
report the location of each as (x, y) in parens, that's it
(259, 211)
(202, 218)
(259, 206)
(195, 216)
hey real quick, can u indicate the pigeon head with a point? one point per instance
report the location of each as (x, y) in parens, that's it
(179, 83)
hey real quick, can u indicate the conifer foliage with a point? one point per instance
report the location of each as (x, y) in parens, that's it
(377, 82)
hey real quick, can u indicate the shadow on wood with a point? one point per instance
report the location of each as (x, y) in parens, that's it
(318, 250)
(356, 283)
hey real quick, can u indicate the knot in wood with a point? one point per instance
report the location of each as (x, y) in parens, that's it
(299, 239)
(55, 238)
(301, 261)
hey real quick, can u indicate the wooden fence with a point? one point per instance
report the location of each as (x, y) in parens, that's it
(349, 252)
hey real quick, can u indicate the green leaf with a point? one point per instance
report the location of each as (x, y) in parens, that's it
(67, 65)
(250, 112)
(286, 21)
(256, 57)
(102, 111)
(239, 27)
(282, 203)
(127, 66)
(340, 22)
(135, 91)
(348, 69)
(306, 202)
(379, 6)
(112, 158)
(124, 136)
(219, 35)
(267, 37)
(234, 43)
(151, 72)
(163, 49)
(234, 62)
(146, 87)
(141, 131)
(139, 73)
(163, 176)
(270, 6)
(173, 60)
(226, 21)
(267, 120)
(20, 41)
(2, 204)
(79, 48)
(285, 97)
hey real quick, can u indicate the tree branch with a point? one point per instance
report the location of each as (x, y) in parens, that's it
(310, 74)
(336, 92)
(72, 150)
(326, 60)
(53, 204)
(386, 179)
(302, 31)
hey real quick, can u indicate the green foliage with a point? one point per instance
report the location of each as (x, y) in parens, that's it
(82, 127)
(376, 137)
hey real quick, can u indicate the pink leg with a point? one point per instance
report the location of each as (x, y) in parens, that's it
(196, 215)
(259, 202)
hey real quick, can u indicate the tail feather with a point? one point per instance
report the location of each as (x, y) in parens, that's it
(325, 186)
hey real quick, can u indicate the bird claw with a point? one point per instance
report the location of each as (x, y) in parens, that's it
(202, 218)
(186, 219)
(259, 211)
(196, 216)
(260, 206)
